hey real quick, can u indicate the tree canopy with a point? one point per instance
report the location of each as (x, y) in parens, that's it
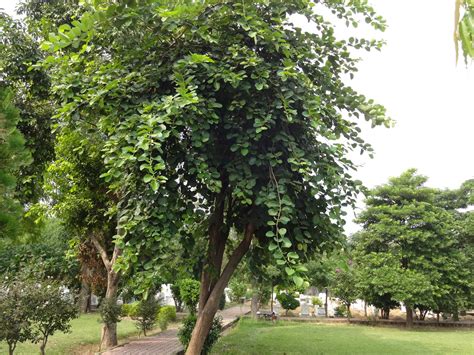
(217, 112)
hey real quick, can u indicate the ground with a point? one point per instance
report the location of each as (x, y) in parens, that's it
(263, 337)
(85, 334)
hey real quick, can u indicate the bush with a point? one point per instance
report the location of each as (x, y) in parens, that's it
(146, 314)
(110, 311)
(288, 301)
(340, 311)
(222, 302)
(316, 301)
(189, 292)
(130, 309)
(186, 330)
(165, 315)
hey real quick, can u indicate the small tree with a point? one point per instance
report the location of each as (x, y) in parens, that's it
(189, 290)
(344, 288)
(238, 290)
(15, 325)
(147, 314)
(51, 310)
(288, 302)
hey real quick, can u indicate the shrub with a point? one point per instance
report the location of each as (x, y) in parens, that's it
(316, 301)
(130, 309)
(288, 301)
(186, 330)
(165, 315)
(110, 311)
(146, 314)
(189, 291)
(222, 302)
(340, 311)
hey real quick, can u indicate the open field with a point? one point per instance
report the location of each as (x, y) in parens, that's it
(261, 337)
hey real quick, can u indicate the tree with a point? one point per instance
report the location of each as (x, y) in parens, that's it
(189, 291)
(287, 301)
(407, 249)
(14, 317)
(222, 114)
(88, 208)
(51, 311)
(344, 287)
(13, 155)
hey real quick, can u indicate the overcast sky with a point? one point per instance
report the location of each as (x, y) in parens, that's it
(416, 78)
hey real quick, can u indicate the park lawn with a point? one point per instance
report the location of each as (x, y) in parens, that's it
(263, 337)
(85, 330)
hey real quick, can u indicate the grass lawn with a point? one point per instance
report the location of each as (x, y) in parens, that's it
(262, 337)
(85, 330)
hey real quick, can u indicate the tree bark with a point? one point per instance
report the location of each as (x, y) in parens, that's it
(271, 300)
(255, 305)
(209, 307)
(409, 317)
(109, 330)
(218, 234)
(348, 310)
(326, 303)
(84, 297)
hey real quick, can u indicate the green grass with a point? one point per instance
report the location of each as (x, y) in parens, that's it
(254, 337)
(84, 330)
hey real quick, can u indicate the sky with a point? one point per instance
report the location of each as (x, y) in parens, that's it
(416, 78)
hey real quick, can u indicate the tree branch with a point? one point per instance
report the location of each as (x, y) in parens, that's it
(102, 252)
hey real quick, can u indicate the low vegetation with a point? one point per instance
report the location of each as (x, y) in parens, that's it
(258, 337)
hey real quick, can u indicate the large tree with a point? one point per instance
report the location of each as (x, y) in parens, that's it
(218, 113)
(408, 250)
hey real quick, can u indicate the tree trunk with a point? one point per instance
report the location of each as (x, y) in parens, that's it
(218, 234)
(348, 305)
(43, 345)
(109, 330)
(271, 300)
(437, 317)
(326, 303)
(208, 307)
(409, 316)
(11, 348)
(84, 297)
(255, 301)
(365, 309)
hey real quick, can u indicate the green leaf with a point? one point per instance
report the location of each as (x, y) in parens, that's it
(298, 281)
(289, 271)
(147, 178)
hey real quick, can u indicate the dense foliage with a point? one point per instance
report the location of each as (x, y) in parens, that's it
(13, 156)
(33, 310)
(409, 250)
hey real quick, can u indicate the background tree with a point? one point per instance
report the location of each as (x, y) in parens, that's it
(237, 127)
(13, 155)
(344, 287)
(408, 250)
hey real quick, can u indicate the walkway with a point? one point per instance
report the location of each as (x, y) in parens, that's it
(167, 343)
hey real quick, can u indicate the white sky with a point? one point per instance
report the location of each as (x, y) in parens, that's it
(415, 77)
